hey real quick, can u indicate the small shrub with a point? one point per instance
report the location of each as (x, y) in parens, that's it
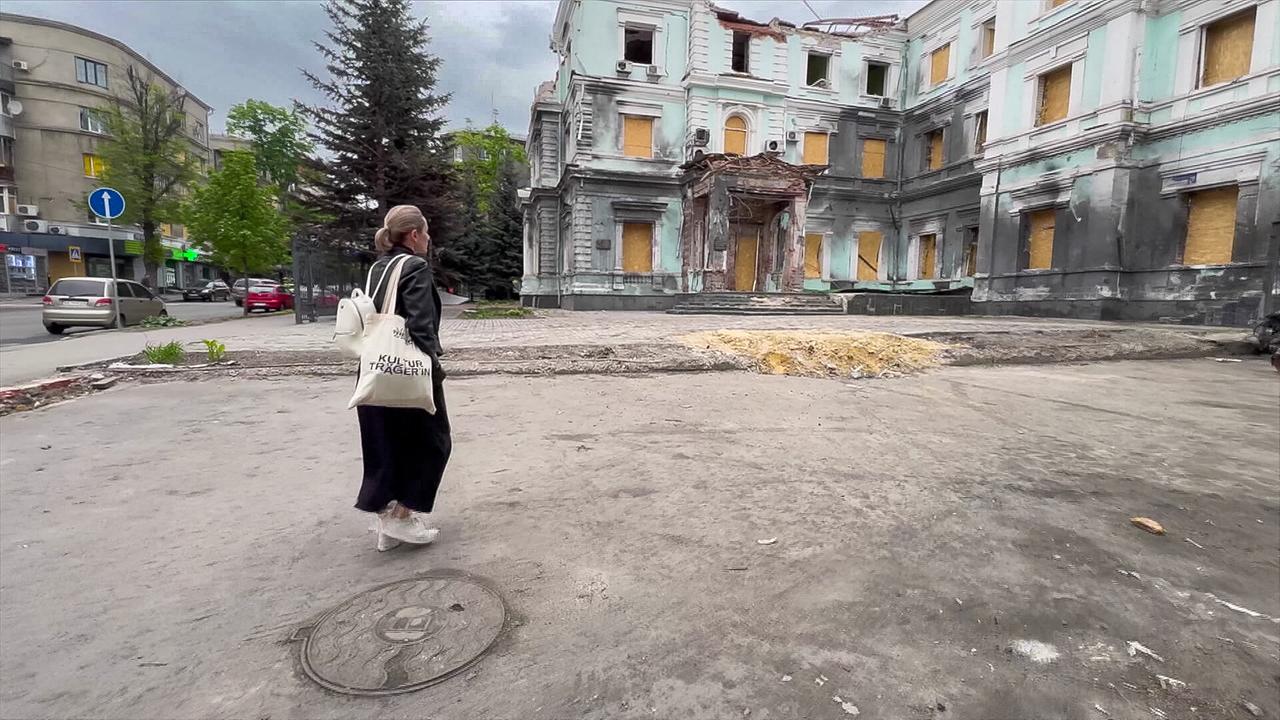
(492, 310)
(158, 321)
(170, 353)
(215, 349)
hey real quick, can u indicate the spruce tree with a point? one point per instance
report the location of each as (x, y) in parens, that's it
(382, 123)
(504, 237)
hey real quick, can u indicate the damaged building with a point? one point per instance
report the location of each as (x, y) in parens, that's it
(1080, 158)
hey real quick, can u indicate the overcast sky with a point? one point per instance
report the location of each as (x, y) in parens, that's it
(494, 51)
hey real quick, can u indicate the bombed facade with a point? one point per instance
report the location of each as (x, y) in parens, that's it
(1089, 158)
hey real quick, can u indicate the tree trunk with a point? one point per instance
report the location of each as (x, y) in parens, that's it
(150, 251)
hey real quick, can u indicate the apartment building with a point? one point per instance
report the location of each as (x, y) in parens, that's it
(55, 78)
(1088, 158)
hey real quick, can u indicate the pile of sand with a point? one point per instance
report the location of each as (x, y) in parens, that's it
(823, 354)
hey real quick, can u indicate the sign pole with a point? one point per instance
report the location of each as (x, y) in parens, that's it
(115, 290)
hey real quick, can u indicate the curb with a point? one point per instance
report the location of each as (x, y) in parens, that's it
(39, 386)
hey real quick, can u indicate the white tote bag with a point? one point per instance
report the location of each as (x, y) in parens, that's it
(394, 372)
(354, 312)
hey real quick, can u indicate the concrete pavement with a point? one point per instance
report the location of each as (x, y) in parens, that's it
(948, 546)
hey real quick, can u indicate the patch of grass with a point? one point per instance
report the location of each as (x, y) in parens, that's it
(159, 321)
(171, 353)
(215, 349)
(490, 310)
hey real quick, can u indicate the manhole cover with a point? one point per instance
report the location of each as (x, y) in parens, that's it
(402, 637)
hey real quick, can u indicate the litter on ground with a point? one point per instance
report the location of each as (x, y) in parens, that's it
(1148, 524)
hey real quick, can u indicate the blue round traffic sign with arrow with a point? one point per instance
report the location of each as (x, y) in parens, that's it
(106, 203)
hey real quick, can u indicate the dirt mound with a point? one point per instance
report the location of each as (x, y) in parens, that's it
(823, 354)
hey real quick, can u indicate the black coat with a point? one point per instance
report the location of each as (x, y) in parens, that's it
(418, 304)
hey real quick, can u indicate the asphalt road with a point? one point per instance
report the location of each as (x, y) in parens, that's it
(20, 324)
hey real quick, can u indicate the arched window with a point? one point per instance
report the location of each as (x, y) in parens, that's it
(735, 135)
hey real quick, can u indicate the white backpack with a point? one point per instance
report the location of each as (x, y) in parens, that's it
(354, 312)
(394, 372)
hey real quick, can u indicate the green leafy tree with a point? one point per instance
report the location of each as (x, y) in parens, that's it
(237, 219)
(486, 156)
(148, 157)
(279, 137)
(381, 126)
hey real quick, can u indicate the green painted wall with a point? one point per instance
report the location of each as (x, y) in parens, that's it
(1223, 136)
(841, 252)
(1011, 121)
(1095, 65)
(1159, 57)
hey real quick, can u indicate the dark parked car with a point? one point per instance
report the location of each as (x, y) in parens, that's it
(214, 291)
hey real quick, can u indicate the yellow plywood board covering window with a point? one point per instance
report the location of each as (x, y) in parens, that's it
(1040, 242)
(93, 165)
(812, 256)
(935, 150)
(940, 64)
(1056, 3)
(637, 247)
(744, 261)
(1228, 45)
(988, 38)
(1211, 226)
(928, 255)
(1055, 95)
(869, 255)
(637, 136)
(873, 152)
(166, 229)
(815, 148)
(735, 136)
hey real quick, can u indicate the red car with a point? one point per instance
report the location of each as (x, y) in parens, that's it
(268, 297)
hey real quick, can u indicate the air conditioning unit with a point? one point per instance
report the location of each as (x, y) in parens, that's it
(21, 65)
(35, 226)
(701, 136)
(57, 230)
(886, 102)
(793, 136)
(624, 66)
(654, 71)
(773, 146)
(28, 210)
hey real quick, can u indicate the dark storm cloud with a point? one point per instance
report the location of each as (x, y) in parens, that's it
(494, 52)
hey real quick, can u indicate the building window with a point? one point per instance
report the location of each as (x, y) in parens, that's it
(1041, 225)
(638, 44)
(166, 230)
(199, 132)
(8, 195)
(928, 256)
(934, 149)
(91, 121)
(735, 135)
(970, 251)
(873, 152)
(988, 38)
(877, 78)
(637, 247)
(979, 132)
(869, 255)
(1227, 45)
(1055, 95)
(741, 60)
(6, 152)
(815, 148)
(91, 72)
(940, 65)
(1211, 226)
(93, 165)
(1051, 4)
(818, 73)
(637, 136)
(813, 256)
(5, 99)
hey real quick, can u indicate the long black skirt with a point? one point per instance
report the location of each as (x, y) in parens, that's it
(405, 452)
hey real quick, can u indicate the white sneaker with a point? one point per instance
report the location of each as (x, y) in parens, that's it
(385, 542)
(412, 529)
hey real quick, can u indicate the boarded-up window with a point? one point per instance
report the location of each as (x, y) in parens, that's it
(979, 132)
(933, 150)
(735, 135)
(815, 148)
(873, 152)
(1228, 44)
(637, 136)
(93, 165)
(869, 255)
(741, 51)
(1211, 226)
(1056, 3)
(928, 255)
(940, 64)
(1041, 226)
(988, 38)
(877, 78)
(637, 247)
(1055, 95)
(813, 256)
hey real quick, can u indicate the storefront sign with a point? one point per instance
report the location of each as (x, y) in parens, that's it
(188, 255)
(133, 247)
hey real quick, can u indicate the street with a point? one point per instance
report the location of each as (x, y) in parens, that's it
(20, 323)
(954, 545)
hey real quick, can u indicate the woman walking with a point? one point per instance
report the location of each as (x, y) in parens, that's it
(406, 449)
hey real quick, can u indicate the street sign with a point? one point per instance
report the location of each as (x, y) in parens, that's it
(106, 203)
(74, 253)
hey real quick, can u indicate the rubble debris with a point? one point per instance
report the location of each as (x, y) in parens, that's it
(823, 354)
(1131, 574)
(767, 541)
(1035, 651)
(1136, 647)
(102, 383)
(1245, 610)
(1148, 524)
(1157, 712)
(820, 680)
(786, 678)
(848, 707)
(1100, 709)
(1193, 542)
(1168, 683)
(1253, 710)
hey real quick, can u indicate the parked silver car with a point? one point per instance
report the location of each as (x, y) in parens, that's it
(88, 302)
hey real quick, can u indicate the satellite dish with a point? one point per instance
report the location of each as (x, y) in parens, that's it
(15, 107)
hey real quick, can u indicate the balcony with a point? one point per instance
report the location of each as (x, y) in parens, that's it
(6, 127)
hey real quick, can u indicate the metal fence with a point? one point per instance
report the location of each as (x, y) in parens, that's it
(324, 274)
